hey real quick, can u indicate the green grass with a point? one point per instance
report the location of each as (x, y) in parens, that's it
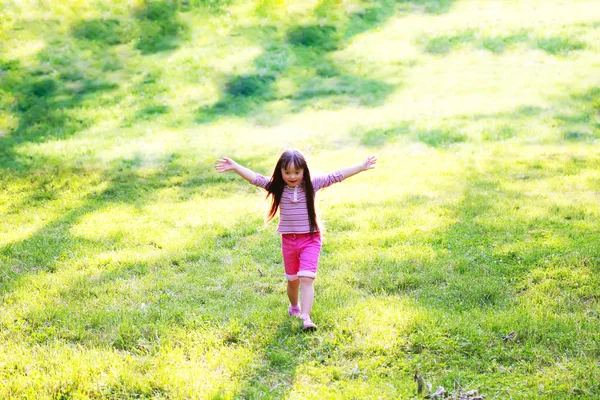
(130, 269)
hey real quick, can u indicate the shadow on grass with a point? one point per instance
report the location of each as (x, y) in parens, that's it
(577, 119)
(498, 44)
(522, 112)
(426, 6)
(53, 243)
(124, 290)
(44, 97)
(460, 271)
(563, 46)
(275, 371)
(204, 6)
(185, 291)
(214, 285)
(308, 48)
(125, 183)
(444, 44)
(479, 264)
(581, 122)
(108, 31)
(488, 258)
(438, 138)
(560, 45)
(156, 28)
(511, 260)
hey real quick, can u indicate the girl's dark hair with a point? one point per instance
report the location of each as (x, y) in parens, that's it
(276, 185)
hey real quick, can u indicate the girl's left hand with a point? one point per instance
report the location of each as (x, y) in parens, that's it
(370, 163)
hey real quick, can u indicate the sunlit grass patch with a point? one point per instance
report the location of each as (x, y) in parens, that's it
(77, 379)
(568, 288)
(130, 268)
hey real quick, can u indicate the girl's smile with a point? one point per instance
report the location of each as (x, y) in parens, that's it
(292, 176)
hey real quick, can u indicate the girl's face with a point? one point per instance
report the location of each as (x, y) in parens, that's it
(292, 175)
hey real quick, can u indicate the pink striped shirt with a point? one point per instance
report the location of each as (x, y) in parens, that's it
(293, 215)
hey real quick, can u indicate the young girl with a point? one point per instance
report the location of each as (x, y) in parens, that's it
(292, 191)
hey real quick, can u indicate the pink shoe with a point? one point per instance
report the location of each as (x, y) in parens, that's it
(308, 325)
(294, 311)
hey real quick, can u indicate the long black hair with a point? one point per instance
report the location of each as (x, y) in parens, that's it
(292, 157)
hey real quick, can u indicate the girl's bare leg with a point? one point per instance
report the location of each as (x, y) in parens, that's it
(307, 296)
(292, 291)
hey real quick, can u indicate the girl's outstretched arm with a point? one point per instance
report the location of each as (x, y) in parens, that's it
(369, 163)
(227, 164)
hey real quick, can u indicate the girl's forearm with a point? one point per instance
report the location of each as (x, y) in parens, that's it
(245, 173)
(353, 170)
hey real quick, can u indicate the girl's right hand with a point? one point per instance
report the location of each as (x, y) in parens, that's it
(225, 164)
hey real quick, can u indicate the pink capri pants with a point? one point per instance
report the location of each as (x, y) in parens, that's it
(300, 254)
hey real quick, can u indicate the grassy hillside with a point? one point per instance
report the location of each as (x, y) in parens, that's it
(130, 269)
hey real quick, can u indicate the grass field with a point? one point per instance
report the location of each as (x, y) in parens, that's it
(130, 269)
